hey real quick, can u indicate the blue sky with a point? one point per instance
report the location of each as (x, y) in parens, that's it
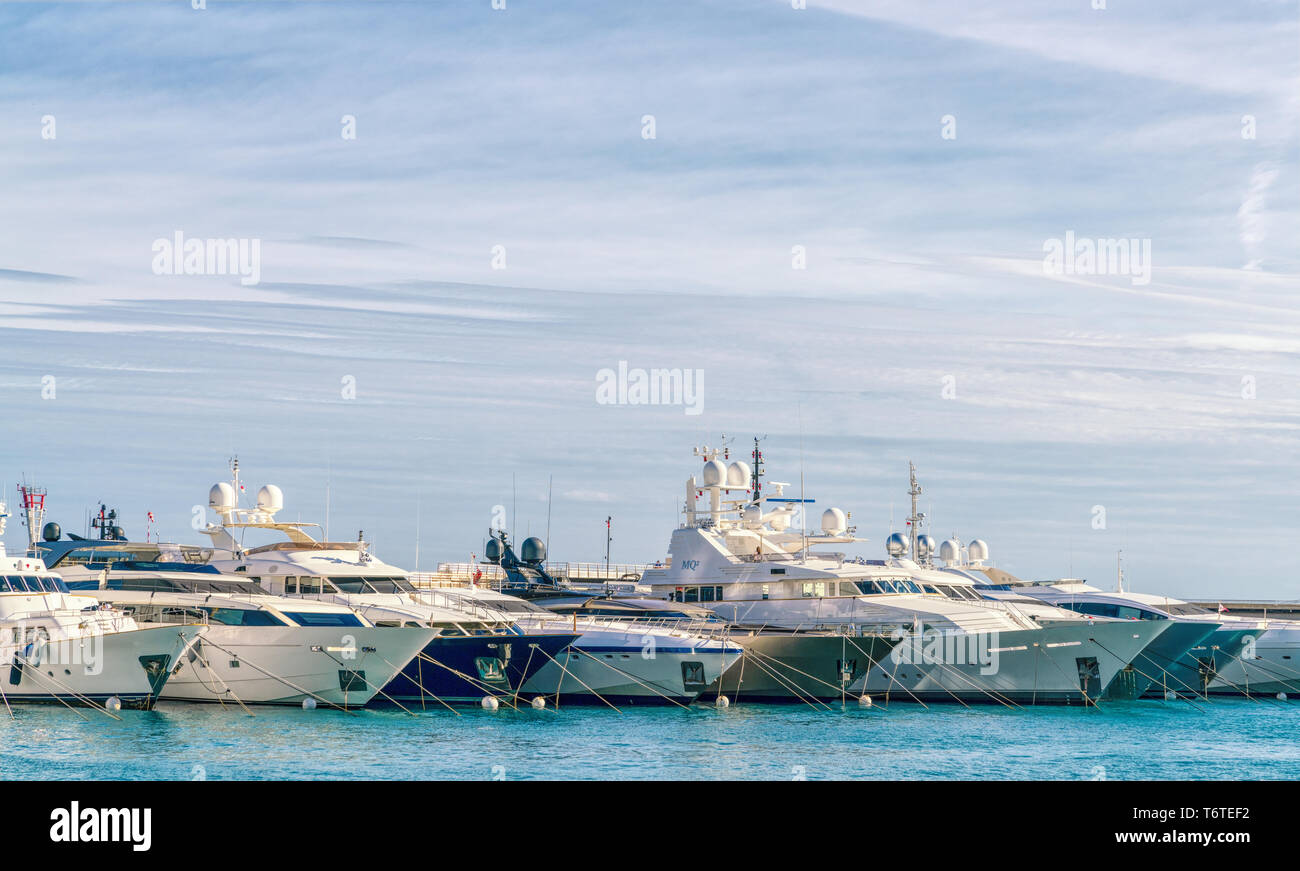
(775, 127)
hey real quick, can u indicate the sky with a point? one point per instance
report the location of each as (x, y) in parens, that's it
(837, 215)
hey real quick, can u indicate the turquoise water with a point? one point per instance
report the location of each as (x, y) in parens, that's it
(1227, 739)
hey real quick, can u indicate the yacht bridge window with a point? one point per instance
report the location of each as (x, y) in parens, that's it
(697, 594)
(369, 584)
(1110, 609)
(313, 618)
(31, 584)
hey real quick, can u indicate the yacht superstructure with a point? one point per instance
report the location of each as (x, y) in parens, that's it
(739, 556)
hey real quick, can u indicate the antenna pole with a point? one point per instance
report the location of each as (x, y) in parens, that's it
(608, 539)
(916, 519)
(550, 479)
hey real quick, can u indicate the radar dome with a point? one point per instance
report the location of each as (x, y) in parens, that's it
(833, 521)
(270, 499)
(738, 474)
(752, 517)
(493, 551)
(950, 551)
(896, 544)
(925, 545)
(977, 550)
(715, 473)
(221, 497)
(780, 522)
(51, 531)
(533, 550)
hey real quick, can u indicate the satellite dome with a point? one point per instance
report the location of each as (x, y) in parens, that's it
(896, 544)
(715, 473)
(925, 545)
(493, 551)
(533, 550)
(51, 531)
(270, 499)
(751, 516)
(221, 497)
(950, 551)
(977, 550)
(738, 474)
(780, 522)
(833, 521)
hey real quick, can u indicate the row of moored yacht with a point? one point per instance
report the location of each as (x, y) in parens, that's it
(745, 607)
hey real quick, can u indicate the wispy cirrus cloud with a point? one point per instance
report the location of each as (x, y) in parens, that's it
(776, 128)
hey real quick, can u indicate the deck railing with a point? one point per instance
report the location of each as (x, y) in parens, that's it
(462, 574)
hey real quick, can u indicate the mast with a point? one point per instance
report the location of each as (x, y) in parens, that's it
(550, 479)
(608, 533)
(915, 520)
(33, 500)
(756, 474)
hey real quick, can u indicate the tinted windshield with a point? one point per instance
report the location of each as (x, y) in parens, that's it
(31, 584)
(312, 618)
(369, 584)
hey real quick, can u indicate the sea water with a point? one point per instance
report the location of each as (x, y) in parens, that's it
(1216, 739)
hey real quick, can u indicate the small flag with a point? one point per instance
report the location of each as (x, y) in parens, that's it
(1222, 610)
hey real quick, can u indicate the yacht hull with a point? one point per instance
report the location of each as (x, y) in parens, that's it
(1165, 665)
(133, 667)
(464, 669)
(781, 667)
(285, 665)
(1070, 663)
(621, 674)
(1274, 668)
(1193, 672)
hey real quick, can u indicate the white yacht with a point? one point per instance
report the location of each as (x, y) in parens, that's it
(738, 556)
(775, 665)
(618, 660)
(464, 658)
(255, 648)
(56, 646)
(1268, 667)
(1186, 660)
